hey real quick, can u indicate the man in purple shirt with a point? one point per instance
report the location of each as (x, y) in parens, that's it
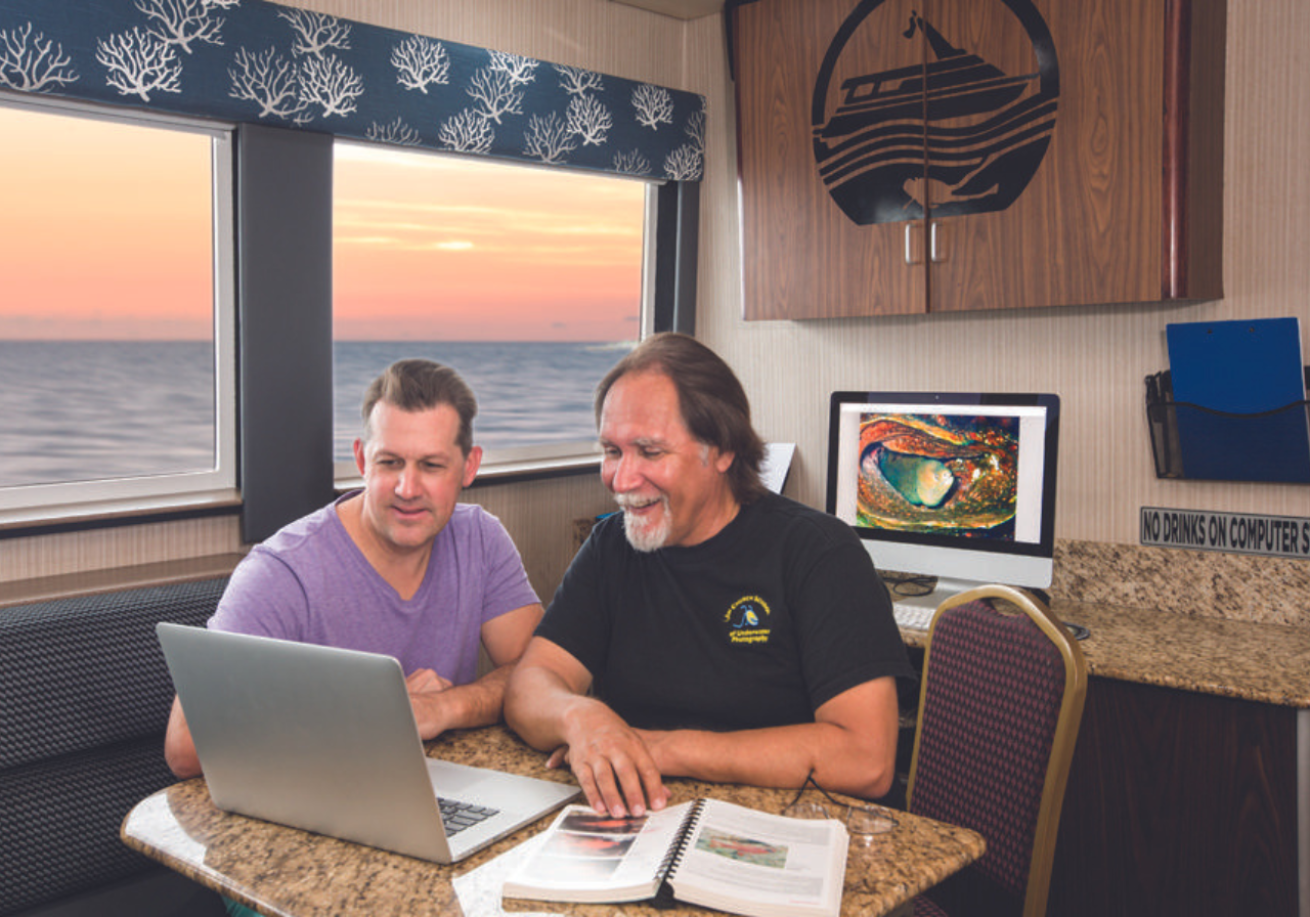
(398, 567)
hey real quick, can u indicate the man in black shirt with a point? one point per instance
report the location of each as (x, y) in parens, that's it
(730, 634)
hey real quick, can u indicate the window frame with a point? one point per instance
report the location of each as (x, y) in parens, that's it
(560, 456)
(217, 486)
(280, 474)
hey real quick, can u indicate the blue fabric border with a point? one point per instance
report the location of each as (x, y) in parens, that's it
(259, 62)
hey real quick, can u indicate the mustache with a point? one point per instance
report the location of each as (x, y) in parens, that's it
(634, 501)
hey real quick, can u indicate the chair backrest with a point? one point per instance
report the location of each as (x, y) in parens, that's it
(999, 710)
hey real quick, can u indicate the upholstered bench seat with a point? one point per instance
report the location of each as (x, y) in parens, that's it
(84, 700)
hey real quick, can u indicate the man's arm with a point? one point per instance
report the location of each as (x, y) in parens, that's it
(548, 706)
(263, 598)
(439, 707)
(849, 748)
(179, 749)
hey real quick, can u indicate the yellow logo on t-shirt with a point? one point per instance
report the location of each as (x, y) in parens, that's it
(747, 620)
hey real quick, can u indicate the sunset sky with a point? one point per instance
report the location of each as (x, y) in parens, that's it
(116, 245)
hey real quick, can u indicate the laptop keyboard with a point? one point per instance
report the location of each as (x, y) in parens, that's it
(457, 816)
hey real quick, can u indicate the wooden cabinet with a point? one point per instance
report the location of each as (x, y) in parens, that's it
(1178, 803)
(907, 156)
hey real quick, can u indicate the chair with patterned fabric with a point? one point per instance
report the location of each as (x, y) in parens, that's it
(1001, 701)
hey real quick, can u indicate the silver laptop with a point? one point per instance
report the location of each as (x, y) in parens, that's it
(325, 740)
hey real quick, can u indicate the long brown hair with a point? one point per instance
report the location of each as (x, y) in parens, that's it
(712, 402)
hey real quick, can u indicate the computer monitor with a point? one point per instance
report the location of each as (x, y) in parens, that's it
(958, 487)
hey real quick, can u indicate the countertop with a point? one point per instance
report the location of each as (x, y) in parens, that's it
(1266, 663)
(283, 871)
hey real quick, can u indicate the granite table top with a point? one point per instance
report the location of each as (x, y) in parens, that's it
(283, 871)
(1265, 663)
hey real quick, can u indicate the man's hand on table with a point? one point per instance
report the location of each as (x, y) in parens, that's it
(612, 763)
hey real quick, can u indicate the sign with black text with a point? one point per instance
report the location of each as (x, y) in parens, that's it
(1236, 533)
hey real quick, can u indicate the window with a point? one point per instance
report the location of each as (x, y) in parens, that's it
(528, 281)
(116, 362)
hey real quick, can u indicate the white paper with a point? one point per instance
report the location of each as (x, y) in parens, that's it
(590, 857)
(776, 464)
(736, 859)
(752, 862)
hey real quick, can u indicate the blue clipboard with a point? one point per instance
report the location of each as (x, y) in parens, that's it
(1242, 368)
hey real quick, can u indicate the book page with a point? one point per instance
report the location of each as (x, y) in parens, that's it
(585, 856)
(747, 861)
(776, 464)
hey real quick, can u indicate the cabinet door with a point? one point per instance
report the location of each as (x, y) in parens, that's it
(1178, 803)
(812, 125)
(1054, 198)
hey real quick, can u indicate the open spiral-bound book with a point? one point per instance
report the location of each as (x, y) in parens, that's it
(709, 853)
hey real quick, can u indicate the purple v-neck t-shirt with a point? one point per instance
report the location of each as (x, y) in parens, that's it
(310, 583)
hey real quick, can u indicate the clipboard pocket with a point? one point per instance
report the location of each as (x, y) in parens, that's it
(1195, 442)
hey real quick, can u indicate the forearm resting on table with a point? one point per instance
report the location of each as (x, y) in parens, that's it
(781, 756)
(609, 759)
(534, 706)
(849, 748)
(479, 703)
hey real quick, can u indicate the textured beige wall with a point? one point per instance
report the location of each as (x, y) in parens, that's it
(539, 515)
(39, 556)
(596, 34)
(1094, 357)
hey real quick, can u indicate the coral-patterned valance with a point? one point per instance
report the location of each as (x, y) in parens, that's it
(252, 61)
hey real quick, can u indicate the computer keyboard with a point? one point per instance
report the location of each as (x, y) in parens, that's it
(457, 816)
(919, 617)
(912, 617)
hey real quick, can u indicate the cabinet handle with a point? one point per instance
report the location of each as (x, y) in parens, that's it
(911, 249)
(935, 252)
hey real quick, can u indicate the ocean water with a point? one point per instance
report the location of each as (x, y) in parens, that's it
(528, 393)
(86, 410)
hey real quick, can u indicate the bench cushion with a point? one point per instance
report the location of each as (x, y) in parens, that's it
(84, 701)
(85, 672)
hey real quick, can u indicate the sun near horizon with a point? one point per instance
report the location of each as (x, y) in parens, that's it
(107, 235)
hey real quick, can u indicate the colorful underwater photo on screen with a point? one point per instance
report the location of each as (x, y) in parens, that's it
(939, 474)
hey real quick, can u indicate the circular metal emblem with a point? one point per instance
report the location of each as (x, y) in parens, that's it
(939, 127)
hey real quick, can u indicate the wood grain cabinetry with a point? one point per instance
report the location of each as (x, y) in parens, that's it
(903, 156)
(1178, 803)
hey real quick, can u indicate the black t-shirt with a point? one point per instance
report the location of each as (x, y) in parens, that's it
(759, 626)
